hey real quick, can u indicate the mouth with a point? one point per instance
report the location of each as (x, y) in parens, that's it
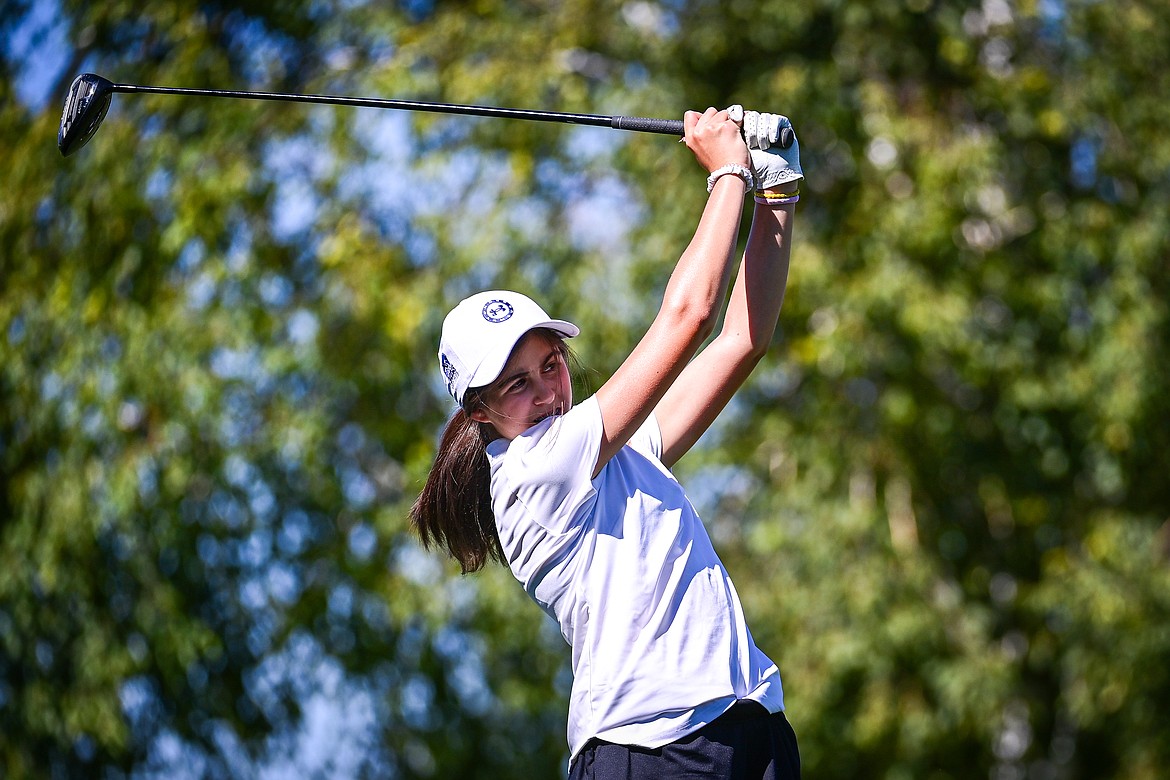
(546, 415)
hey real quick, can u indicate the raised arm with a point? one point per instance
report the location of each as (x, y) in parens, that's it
(706, 385)
(691, 303)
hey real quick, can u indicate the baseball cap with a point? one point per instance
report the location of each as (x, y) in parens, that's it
(479, 334)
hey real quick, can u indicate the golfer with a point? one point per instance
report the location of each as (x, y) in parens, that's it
(579, 500)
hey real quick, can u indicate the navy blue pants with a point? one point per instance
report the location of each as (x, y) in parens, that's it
(745, 743)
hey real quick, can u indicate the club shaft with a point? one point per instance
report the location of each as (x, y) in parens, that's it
(638, 124)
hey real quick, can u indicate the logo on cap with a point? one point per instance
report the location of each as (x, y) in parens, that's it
(497, 310)
(449, 372)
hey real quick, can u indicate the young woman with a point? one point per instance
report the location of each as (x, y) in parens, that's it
(579, 501)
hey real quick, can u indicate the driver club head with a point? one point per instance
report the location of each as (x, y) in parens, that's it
(85, 108)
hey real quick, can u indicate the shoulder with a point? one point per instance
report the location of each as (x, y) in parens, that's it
(544, 476)
(552, 448)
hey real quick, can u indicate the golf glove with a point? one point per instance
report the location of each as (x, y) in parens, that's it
(774, 167)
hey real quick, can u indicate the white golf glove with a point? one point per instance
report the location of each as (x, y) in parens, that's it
(774, 167)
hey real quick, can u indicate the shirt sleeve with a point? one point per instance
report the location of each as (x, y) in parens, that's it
(549, 468)
(648, 438)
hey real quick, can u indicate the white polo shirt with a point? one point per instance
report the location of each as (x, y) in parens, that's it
(623, 563)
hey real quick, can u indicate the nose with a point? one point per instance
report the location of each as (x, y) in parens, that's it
(546, 392)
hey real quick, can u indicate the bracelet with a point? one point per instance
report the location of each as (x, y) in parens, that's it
(776, 195)
(777, 200)
(762, 193)
(749, 178)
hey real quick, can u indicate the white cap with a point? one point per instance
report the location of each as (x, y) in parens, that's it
(479, 334)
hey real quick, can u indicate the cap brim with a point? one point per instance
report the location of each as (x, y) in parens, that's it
(493, 363)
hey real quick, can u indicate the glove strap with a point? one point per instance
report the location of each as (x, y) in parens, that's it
(749, 178)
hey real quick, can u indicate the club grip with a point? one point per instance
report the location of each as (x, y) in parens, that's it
(646, 125)
(675, 127)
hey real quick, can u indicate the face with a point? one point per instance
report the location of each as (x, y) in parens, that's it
(533, 385)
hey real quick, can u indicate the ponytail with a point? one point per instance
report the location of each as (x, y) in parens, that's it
(454, 509)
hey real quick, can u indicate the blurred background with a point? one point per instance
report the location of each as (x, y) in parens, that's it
(943, 496)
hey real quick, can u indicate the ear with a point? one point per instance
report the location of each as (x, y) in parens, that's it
(480, 416)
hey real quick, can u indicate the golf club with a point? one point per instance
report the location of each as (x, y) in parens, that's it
(90, 95)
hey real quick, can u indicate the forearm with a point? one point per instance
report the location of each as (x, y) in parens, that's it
(754, 306)
(689, 310)
(698, 284)
(713, 377)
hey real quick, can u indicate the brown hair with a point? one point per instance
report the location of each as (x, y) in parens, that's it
(454, 509)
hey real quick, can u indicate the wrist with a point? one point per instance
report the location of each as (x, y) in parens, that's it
(781, 196)
(733, 169)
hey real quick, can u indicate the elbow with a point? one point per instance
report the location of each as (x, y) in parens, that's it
(748, 354)
(755, 353)
(687, 315)
(747, 349)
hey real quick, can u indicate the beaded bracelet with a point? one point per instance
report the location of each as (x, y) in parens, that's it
(749, 178)
(777, 199)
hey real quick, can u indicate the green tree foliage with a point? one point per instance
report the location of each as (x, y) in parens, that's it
(943, 496)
